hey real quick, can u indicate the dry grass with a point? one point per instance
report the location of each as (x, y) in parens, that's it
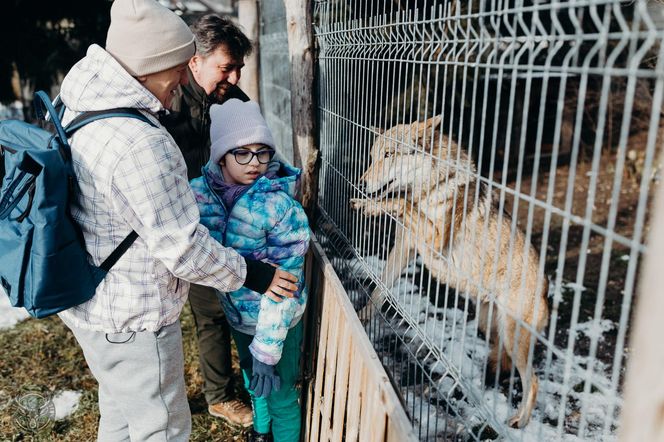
(42, 356)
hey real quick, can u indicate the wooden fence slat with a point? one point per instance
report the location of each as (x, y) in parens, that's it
(355, 383)
(330, 370)
(320, 368)
(312, 329)
(341, 384)
(368, 402)
(378, 418)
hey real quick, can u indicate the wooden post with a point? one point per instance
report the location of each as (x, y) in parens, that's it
(301, 53)
(248, 20)
(643, 410)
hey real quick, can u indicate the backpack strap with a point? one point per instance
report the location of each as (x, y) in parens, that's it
(59, 106)
(43, 105)
(119, 251)
(86, 118)
(120, 112)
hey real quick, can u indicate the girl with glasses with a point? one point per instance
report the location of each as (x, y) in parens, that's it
(246, 200)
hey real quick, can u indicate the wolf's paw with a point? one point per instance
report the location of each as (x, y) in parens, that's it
(518, 421)
(394, 206)
(366, 206)
(391, 206)
(358, 203)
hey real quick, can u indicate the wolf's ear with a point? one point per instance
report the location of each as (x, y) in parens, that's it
(425, 130)
(433, 122)
(378, 130)
(427, 126)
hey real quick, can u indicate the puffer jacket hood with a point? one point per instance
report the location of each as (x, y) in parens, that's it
(99, 82)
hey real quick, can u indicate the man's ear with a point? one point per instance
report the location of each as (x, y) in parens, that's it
(141, 78)
(194, 62)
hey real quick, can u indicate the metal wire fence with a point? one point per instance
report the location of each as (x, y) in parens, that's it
(486, 173)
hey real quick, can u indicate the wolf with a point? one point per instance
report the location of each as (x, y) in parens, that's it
(430, 185)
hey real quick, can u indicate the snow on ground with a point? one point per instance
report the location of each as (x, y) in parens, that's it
(66, 403)
(458, 377)
(595, 330)
(13, 111)
(10, 316)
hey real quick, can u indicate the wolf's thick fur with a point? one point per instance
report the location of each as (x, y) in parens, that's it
(430, 185)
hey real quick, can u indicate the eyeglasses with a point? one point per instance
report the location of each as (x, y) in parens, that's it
(245, 156)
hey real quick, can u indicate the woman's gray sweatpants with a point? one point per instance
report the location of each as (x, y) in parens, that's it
(142, 395)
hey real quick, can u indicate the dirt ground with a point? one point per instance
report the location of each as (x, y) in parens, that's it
(601, 251)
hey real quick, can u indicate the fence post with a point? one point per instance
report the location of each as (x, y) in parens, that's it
(643, 409)
(301, 54)
(248, 18)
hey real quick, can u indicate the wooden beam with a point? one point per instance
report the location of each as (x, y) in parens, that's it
(248, 20)
(643, 411)
(303, 108)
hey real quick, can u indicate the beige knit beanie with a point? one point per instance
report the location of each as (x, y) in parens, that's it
(236, 123)
(146, 37)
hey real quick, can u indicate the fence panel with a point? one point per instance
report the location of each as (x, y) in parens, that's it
(486, 173)
(275, 75)
(351, 397)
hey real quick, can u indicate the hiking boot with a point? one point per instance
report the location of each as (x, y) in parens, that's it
(252, 436)
(235, 412)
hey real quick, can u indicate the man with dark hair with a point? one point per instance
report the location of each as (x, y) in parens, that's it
(214, 72)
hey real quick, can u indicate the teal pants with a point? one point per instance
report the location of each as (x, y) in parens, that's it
(281, 408)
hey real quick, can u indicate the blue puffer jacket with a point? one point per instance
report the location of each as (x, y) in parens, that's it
(267, 224)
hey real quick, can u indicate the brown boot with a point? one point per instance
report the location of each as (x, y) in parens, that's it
(235, 412)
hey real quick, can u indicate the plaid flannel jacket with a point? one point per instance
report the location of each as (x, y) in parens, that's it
(132, 176)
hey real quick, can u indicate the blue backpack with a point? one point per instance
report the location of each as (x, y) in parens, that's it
(44, 266)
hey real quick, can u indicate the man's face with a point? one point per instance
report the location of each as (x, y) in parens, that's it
(163, 84)
(217, 71)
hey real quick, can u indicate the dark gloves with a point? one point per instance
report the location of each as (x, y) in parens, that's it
(265, 379)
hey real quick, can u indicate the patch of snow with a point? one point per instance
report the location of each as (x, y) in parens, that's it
(457, 385)
(13, 111)
(573, 286)
(66, 403)
(10, 316)
(595, 331)
(369, 265)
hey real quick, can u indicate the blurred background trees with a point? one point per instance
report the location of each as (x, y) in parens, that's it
(42, 39)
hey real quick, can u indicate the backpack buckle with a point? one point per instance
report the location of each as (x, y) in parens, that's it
(7, 149)
(5, 285)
